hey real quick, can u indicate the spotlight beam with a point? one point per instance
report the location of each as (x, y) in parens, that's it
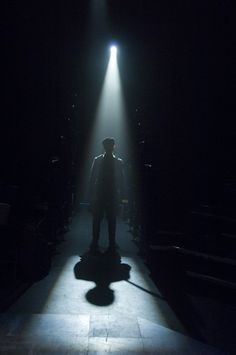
(113, 51)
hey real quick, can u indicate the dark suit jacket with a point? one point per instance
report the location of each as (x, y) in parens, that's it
(106, 179)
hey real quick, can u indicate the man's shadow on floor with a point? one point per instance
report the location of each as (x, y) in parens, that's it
(103, 270)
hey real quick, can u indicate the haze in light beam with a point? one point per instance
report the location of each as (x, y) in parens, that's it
(110, 117)
(113, 50)
(110, 121)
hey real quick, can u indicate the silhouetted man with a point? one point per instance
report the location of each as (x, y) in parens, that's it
(106, 192)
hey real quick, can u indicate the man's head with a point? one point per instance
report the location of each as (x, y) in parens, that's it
(108, 144)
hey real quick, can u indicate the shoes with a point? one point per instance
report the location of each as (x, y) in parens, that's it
(95, 251)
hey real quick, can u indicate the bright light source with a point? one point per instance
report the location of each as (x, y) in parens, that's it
(113, 50)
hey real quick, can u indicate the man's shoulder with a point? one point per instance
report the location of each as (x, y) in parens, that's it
(97, 161)
(99, 157)
(119, 160)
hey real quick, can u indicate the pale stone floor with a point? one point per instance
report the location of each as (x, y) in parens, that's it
(95, 306)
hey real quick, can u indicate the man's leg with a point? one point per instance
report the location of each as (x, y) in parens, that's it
(98, 212)
(96, 228)
(111, 219)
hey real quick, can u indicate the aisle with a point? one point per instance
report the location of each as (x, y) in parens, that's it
(92, 305)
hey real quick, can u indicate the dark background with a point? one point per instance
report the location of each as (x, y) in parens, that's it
(175, 69)
(176, 65)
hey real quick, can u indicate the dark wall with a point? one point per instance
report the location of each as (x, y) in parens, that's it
(173, 63)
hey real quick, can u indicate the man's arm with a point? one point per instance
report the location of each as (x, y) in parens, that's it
(92, 180)
(121, 180)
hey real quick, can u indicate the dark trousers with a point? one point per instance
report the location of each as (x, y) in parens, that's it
(100, 209)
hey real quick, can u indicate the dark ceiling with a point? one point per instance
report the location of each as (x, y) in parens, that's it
(172, 63)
